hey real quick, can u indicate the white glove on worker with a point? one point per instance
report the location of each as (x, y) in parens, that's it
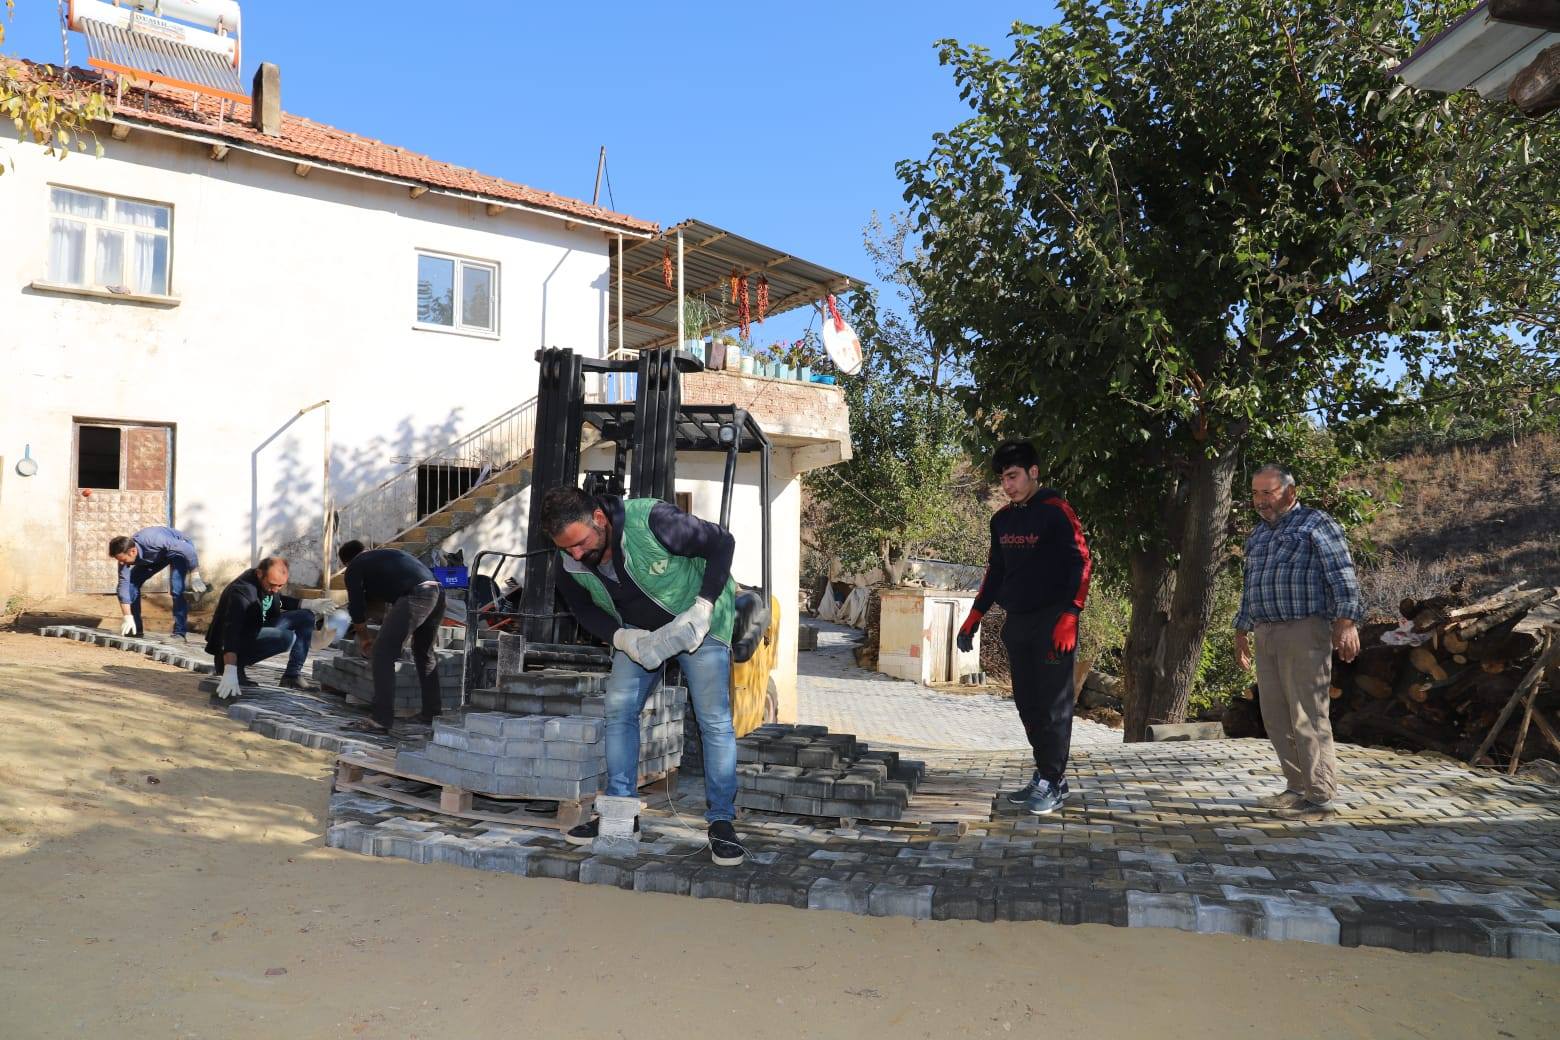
(324, 606)
(681, 635)
(195, 587)
(127, 625)
(631, 641)
(229, 687)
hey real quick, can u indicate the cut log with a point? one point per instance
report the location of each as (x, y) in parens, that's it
(1487, 604)
(1512, 611)
(1452, 642)
(1425, 660)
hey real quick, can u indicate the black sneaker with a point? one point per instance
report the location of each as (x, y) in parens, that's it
(297, 682)
(1023, 794)
(725, 849)
(586, 833)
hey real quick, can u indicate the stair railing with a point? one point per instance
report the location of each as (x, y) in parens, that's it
(431, 483)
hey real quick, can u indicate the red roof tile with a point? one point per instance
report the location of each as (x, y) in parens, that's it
(308, 141)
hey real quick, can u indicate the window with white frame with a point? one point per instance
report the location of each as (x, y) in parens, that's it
(456, 293)
(105, 242)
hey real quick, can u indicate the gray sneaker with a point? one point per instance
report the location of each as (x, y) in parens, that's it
(1023, 794)
(1308, 811)
(1047, 798)
(1282, 800)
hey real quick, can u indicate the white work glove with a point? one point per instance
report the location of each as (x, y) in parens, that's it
(324, 606)
(632, 642)
(229, 687)
(127, 626)
(197, 584)
(695, 622)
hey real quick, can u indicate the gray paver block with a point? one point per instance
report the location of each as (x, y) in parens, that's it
(890, 900)
(852, 897)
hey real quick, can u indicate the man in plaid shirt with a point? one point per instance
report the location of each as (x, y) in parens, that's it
(1302, 600)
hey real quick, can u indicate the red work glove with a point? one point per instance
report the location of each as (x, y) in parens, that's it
(966, 640)
(1065, 635)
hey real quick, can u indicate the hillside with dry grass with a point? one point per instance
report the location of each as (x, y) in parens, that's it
(1488, 512)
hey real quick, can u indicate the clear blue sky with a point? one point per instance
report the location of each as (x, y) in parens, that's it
(781, 122)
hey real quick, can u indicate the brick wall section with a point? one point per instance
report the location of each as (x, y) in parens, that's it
(783, 407)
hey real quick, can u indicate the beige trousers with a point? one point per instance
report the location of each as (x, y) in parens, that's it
(1294, 670)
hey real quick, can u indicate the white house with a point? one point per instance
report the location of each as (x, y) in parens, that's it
(168, 310)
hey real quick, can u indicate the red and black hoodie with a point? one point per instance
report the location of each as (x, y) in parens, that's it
(1039, 558)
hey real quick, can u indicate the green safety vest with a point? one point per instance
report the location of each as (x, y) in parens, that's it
(670, 580)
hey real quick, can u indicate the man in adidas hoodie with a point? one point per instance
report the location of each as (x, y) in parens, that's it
(1039, 574)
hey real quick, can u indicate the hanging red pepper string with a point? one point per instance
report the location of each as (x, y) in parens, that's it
(666, 266)
(763, 298)
(834, 312)
(744, 304)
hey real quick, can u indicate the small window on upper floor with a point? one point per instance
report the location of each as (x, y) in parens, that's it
(456, 293)
(104, 242)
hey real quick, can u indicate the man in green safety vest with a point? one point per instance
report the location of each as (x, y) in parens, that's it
(654, 583)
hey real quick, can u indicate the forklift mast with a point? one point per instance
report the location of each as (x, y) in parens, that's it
(646, 436)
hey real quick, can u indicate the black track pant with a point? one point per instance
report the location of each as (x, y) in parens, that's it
(1042, 688)
(417, 614)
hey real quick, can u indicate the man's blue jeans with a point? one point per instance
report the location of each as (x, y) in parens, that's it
(140, 574)
(708, 674)
(292, 634)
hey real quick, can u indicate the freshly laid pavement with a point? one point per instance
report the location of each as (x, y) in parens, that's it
(832, 691)
(1426, 855)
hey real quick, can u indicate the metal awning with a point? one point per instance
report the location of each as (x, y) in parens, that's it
(709, 257)
(1478, 50)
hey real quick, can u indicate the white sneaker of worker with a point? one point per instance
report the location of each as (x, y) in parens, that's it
(617, 836)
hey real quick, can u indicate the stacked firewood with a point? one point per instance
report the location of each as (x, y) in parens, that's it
(867, 651)
(1479, 681)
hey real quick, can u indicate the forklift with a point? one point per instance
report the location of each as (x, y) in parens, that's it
(646, 437)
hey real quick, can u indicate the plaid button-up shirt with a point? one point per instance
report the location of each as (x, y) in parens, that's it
(1296, 568)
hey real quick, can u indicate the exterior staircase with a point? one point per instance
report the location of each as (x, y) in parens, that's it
(469, 478)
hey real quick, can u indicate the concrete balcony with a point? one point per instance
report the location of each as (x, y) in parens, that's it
(809, 422)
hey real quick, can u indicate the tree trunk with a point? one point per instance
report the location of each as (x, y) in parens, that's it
(1172, 599)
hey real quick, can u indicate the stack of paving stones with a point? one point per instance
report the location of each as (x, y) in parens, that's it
(353, 676)
(558, 692)
(536, 756)
(808, 771)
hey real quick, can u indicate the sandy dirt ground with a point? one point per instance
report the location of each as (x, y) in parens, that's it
(163, 875)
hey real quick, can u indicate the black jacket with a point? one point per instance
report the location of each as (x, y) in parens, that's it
(1039, 558)
(381, 576)
(239, 615)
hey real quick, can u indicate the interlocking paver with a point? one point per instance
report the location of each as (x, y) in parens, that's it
(1425, 854)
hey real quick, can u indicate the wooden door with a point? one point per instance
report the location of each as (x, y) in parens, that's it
(940, 667)
(123, 480)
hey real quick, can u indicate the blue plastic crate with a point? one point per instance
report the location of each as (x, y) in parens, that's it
(453, 577)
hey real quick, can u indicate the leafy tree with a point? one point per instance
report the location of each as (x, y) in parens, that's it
(908, 488)
(1176, 234)
(51, 113)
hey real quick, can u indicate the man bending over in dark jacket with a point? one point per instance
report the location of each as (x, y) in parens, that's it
(416, 609)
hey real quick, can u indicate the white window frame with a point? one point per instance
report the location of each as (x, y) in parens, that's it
(461, 263)
(92, 225)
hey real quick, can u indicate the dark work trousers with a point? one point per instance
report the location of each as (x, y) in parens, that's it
(418, 614)
(1042, 688)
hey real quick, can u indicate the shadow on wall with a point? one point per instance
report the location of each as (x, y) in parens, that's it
(285, 520)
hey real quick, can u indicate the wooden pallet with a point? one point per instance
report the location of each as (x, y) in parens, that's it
(366, 771)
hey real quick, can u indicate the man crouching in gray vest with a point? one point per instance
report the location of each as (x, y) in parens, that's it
(654, 583)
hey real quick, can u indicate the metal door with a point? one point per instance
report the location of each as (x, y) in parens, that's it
(122, 480)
